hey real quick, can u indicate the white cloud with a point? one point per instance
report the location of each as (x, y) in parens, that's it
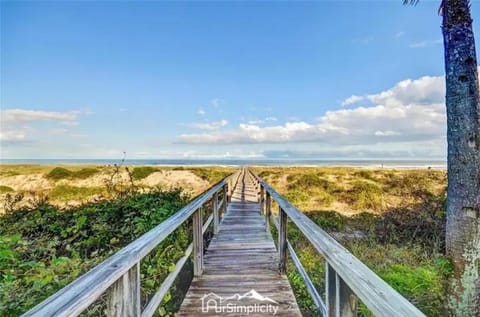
(209, 125)
(400, 34)
(410, 112)
(271, 119)
(386, 133)
(201, 112)
(425, 43)
(22, 115)
(424, 90)
(12, 136)
(352, 99)
(16, 124)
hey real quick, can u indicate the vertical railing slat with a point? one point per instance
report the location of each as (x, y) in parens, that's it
(346, 301)
(225, 200)
(215, 213)
(123, 297)
(268, 211)
(197, 242)
(262, 199)
(282, 241)
(330, 290)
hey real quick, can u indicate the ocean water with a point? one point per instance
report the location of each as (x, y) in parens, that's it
(236, 162)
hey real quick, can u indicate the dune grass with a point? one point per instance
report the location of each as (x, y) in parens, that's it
(399, 213)
(74, 193)
(59, 173)
(142, 172)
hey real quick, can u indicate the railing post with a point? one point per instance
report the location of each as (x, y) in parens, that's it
(282, 241)
(123, 297)
(262, 199)
(197, 242)
(330, 290)
(268, 211)
(215, 213)
(346, 299)
(340, 300)
(229, 189)
(225, 200)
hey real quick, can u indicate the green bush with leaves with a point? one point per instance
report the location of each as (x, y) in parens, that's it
(59, 173)
(142, 172)
(43, 249)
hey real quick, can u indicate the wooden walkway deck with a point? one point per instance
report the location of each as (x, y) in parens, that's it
(240, 274)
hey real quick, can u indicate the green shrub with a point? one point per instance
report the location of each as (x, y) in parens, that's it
(44, 249)
(367, 174)
(297, 197)
(310, 183)
(59, 173)
(365, 195)
(142, 172)
(5, 189)
(67, 192)
(328, 220)
(211, 175)
(85, 173)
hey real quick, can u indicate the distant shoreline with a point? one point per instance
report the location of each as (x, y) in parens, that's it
(364, 163)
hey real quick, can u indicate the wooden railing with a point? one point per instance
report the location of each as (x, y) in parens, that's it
(119, 275)
(346, 277)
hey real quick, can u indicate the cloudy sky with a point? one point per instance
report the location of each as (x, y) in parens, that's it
(348, 79)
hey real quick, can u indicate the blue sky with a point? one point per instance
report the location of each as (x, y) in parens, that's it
(92, 79)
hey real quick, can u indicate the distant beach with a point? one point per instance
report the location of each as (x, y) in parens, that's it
(374, 163)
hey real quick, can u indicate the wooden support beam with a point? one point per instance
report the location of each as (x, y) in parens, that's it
(216, 218)
(225, 200)
(268, 211)
(346, 305)
(340, 300)
(262, 200)
(282, 241)
(123, 297)
(330, 290)
(197, 242)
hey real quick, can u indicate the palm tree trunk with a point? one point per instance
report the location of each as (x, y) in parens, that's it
(463, 136)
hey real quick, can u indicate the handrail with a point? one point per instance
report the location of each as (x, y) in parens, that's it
(121, 270)
(346, 275)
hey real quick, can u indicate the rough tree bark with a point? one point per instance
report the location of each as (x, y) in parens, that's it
(463, 137)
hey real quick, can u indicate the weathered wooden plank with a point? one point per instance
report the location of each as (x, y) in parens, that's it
(241, 257)
(282, 241)
(216, 218)
(197, 224)
(123, 297)
(346, 301)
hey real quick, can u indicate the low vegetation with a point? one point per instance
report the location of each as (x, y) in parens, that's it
(142, 172)
(42, 249)
(211, 175)
(393, 221)
(59, 173)
(75, 193)
(5, 189)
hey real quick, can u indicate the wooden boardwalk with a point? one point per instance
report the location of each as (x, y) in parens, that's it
(240, 275)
